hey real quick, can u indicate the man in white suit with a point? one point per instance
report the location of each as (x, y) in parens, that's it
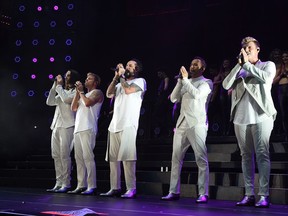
(191, 128)
(62, 128)
(253, 115)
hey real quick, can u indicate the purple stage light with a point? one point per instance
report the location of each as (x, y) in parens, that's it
(15, 76)
(18, 42)
(34, 60)
(53, 24)
(46, 93)
(35, 42)
(51, 41)
(22, 8)
(69, 23)
(33, 76)
(56, 8)
(17, 59)
(31, 93)
(70, 6)
(52, 59)
(19, 25)
(13, 93)
(36, 24)
(39, 8)
(68, 58)
(68, 42)
(50, 76)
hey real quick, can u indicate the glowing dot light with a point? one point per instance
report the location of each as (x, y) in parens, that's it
(69, 23)
(17, 59)
(33, 76)
(68, 42)
(15, 76)
(51, 42)
(18, 42)
(52, 59)
(39, 8)
(22, 8)
(13, 93)
(36, 24)
(35, 42)
(50, 76)
(53, 24)
(68, 58)
(19, 24)
(34, 60)
(56, 7)
(46, 93)
(70, 6)
(31, 93)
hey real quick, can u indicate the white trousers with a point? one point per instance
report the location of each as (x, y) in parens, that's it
(254, 138)
(116, 155)
(84, 143)
(183, 138)
(61, 146)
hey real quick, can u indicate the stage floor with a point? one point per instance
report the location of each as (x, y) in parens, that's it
(25, 201)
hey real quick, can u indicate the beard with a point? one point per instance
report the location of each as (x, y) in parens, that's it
(129, 74)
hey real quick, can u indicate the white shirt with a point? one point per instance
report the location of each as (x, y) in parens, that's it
(127, 106)
(87, 117)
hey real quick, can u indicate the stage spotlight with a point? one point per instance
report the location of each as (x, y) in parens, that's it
(39, 8)
(13, 93)
(33, 76)
(19, 25)
(31, 93)
(35, 60)
(53, 24)
(52, 59)
(46, 93)
(68, 42)
(36, 24)
(56, 8)
(68, 58)
(18, 42)
(70, 6)
(15, 76)
(22, 8)
(17, 59)
(69, 23)
(35, 42)
(51, 42)
(50, 76)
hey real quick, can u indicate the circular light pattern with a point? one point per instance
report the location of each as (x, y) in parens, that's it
(31, 93)
(68, 58)
(17, 59)
(55, 7)
(36, 24)
(70, 6)
(13, 93)
(19, 25)
(39, 8)
(68, 42)
(33, 76)
(52, 59)
(46, 93)
(51, 41)
(53, 24)
(15, 76)
(35, 42)
(50, 76)
(34, 60)
(69, 23)
(18, 42)
(22, 8)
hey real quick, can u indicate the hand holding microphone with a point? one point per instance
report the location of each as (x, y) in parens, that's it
(242, 57)
(79, 86)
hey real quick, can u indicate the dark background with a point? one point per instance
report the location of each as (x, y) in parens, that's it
(161, 33)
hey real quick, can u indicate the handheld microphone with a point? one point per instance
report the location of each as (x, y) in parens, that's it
(114, 69)
(178, 76)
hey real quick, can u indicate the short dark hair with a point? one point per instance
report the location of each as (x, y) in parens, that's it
(203, 62)
(139, 66)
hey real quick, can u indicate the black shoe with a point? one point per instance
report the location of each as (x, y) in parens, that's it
(53, 189)
(63, 190)
(247, 201)
(263, 202)
(77, 190)
(112, 193)
(130, 194)
(92, 191)
(171, 197)
(202, 199)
